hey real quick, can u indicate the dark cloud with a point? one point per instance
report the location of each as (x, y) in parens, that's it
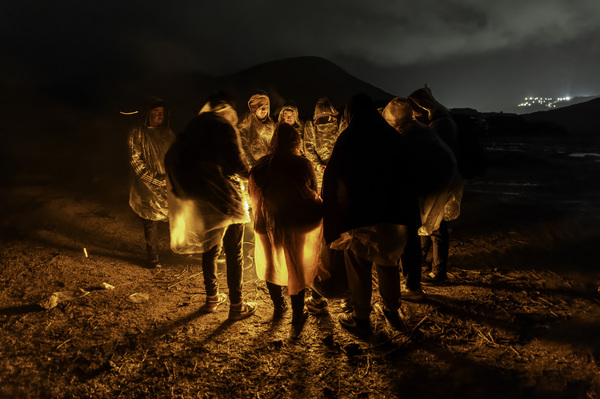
(510, 39)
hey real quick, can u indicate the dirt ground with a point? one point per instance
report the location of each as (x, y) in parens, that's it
(520, 317)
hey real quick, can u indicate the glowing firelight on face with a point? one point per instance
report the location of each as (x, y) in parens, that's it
(157, 116)
(289, 117)
(262, 112)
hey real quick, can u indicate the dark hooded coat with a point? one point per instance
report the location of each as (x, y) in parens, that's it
(437, 181)
(368, 180)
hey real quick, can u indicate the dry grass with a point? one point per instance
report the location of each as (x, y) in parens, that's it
(518, 318)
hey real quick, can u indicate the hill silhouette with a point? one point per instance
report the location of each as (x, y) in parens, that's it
(578, 119)
(302, 79)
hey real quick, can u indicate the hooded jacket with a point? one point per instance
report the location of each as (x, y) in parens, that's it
(438, 183)
(205, 169)
(298, 124)
(147, 148)
(438, 116)
(256, 134)
(287, 214)
(321, 133)
(368, 180)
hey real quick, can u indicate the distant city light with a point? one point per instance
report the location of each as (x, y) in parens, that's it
(549, 102)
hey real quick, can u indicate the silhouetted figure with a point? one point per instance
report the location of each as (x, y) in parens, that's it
(206, 172)
(148, 143)
(287, 222)
(369, 200)
(434, 167)
(437, 240)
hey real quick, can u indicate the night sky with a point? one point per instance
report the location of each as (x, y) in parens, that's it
(477, 53)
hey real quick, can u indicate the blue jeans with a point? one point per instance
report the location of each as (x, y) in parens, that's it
(411, 259)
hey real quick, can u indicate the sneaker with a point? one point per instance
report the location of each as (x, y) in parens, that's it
(213, 302)
(279, 311)
(316, 306)
(241, 310)
(360, 328)
(415, 295)
(438, 278)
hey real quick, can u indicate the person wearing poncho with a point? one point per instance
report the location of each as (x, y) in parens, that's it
(438, 117)
(439, 184)
(320, 135)
(287, 222)
(206, 171)
(289, 114)
(148, 143)
(256, 128)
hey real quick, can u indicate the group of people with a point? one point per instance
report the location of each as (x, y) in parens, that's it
(328, 198)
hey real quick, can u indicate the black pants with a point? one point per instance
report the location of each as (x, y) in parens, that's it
(232, 245)
(151, 236)
(411, 259)
(359, 272)
(276, 292)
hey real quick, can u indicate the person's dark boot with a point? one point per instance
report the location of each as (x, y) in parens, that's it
(298, 320)
(358, 327)
(279, 310)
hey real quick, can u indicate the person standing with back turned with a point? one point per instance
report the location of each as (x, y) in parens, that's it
(206, 173)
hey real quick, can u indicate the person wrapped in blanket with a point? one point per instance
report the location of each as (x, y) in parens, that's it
(287, 223)
(206, 172)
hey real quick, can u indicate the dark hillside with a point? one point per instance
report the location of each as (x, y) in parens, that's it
(579, 119)
(303, 80)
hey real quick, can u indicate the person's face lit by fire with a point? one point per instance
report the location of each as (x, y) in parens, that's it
(157, 116)
(262, 112)
(289, 117)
